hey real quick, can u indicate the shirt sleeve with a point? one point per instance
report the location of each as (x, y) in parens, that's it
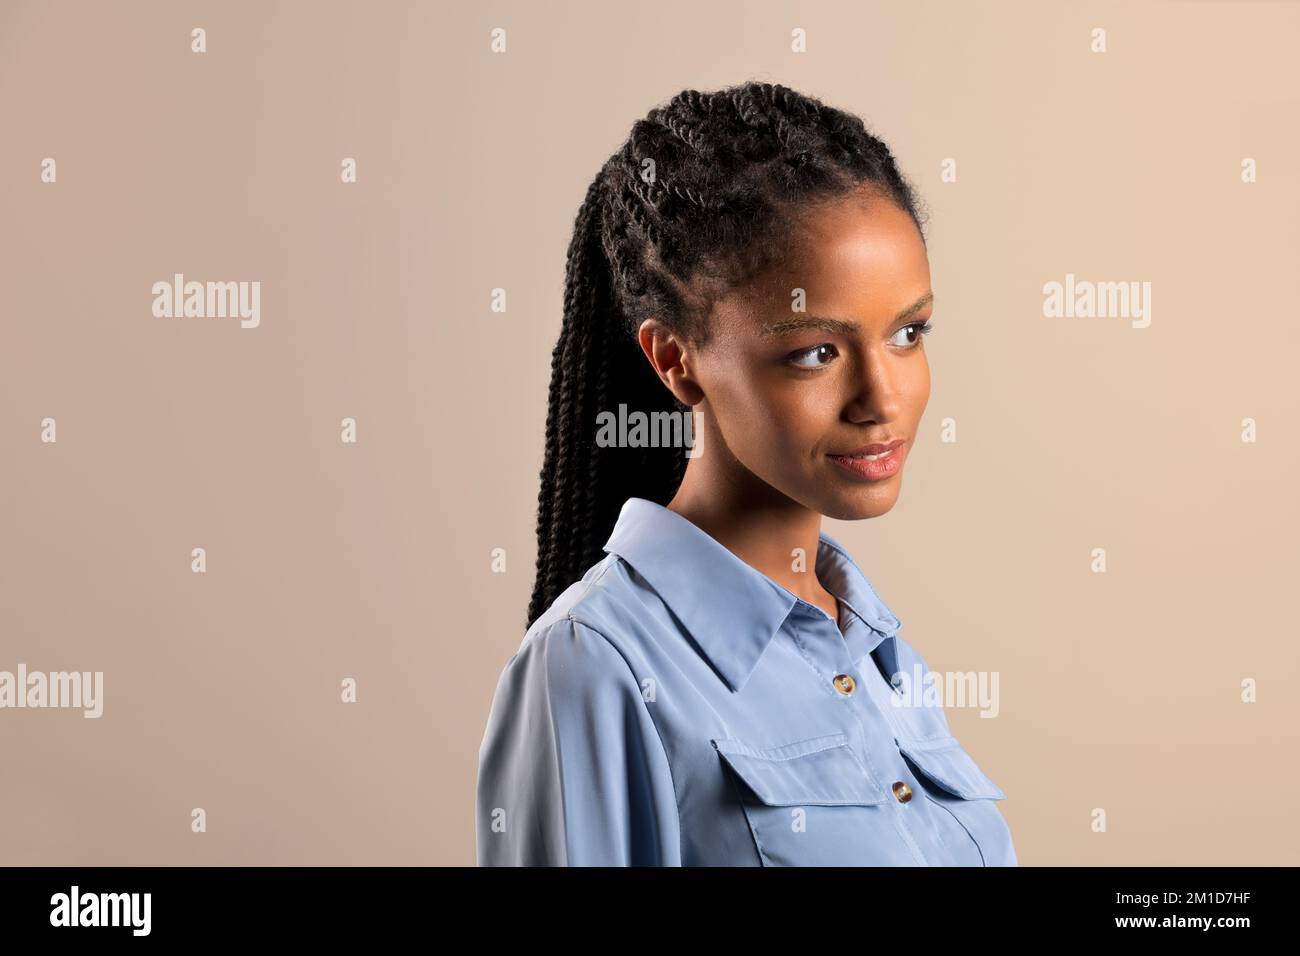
(572, 771)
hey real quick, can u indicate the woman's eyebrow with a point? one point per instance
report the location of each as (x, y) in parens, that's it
(835, 326)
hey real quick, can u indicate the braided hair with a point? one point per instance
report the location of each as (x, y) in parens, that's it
(702, 196)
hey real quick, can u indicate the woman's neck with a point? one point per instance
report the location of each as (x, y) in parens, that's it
(768, 531)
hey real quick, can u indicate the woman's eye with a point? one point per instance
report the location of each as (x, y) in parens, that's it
(921, 328)
(816, 357)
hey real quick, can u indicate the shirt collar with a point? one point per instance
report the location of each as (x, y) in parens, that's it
(731, 609)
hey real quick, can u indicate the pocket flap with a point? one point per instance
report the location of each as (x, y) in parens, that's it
(819, 771)
(943, 760)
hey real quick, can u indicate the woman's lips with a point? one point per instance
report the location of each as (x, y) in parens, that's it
(884, 461)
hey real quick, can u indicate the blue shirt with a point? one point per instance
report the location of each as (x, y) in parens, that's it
(677, 707)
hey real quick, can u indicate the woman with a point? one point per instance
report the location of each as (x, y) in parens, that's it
(687, 693)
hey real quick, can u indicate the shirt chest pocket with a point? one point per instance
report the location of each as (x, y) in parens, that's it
(954, 783)
(808, 803)
(814, 803)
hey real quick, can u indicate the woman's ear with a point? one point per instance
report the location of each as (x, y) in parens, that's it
(672, 358)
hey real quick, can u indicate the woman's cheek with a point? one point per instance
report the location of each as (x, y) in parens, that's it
(798, 420)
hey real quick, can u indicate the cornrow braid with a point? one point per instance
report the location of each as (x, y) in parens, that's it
(701, 197)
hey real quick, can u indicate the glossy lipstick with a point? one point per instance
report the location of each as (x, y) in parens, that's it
(873, 462)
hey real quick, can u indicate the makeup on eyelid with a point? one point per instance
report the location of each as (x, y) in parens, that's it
(790, 357)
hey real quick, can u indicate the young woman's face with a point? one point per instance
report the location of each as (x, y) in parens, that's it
(791, 390)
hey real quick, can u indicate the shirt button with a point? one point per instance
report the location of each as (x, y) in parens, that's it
(844, 683)
(902, 791)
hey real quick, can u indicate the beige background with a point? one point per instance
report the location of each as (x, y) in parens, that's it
(1119, 691)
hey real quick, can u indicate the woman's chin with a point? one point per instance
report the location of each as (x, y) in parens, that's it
(855, 504)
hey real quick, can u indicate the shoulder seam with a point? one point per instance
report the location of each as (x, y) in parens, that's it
(653, 723)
